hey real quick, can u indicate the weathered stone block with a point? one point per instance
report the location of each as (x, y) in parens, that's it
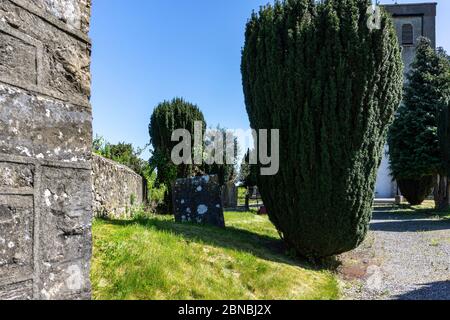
(69, 280)
(16, 176)
(45, 149)
(62, 59)
(16, 237)
(74, 13)
(66, 214)
(17, 59)
(44, 128)
(17, 291)
(198, 200)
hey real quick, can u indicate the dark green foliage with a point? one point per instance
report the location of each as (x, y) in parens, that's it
(442, 192)
(167, 117)
(248, 175)
(443, 83)
(332, 86)
(416, 190)
(414, 149)
(123, 153)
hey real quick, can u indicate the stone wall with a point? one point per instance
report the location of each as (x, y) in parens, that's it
(45, 143)
(117, 189)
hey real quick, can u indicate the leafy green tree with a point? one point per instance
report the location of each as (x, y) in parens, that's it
(415, 156)
(167, 117)
(123, 153)
(331, 85)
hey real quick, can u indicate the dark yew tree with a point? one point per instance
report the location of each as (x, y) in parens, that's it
(415, 155)
(166, 118)
(442, 192)
(331, 85)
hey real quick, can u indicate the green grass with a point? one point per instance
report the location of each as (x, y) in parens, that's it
(428, 208)
(155, 258)
(241, 198)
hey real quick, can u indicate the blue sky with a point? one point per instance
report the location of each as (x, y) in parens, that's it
(147, 51)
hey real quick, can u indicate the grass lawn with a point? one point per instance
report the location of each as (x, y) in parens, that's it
(155, 258)
(241, 198)
(428, 207)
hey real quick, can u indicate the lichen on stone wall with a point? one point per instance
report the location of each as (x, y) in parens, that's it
(45, 143)
(75, 13)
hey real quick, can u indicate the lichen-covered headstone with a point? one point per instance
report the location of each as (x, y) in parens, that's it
(198, 200)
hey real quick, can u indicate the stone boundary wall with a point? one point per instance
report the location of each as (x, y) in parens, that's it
(117, 190)
(45, 143)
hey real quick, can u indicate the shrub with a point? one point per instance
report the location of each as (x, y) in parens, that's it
(123, 153)
(331, 85)
(416, 190)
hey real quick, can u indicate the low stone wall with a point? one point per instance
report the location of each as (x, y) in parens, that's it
(117, 190)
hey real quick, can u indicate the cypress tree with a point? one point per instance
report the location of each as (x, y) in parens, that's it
(331, 85)
(442, 192)
(415, 156)
(167, 117)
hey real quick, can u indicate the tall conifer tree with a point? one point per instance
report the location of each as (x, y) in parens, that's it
(442, 192)
(414, 148)
(167, 117)
(331, 84)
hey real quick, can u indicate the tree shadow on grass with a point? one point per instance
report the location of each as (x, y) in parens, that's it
(410, 225)
(406, 209)
(412, 219)
(429, 291)
(261, 246)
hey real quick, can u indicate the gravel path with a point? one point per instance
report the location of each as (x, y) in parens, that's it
(406, 256)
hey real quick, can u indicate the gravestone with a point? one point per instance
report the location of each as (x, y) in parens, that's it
(45, 149)
(230, 195)
(198, 200)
